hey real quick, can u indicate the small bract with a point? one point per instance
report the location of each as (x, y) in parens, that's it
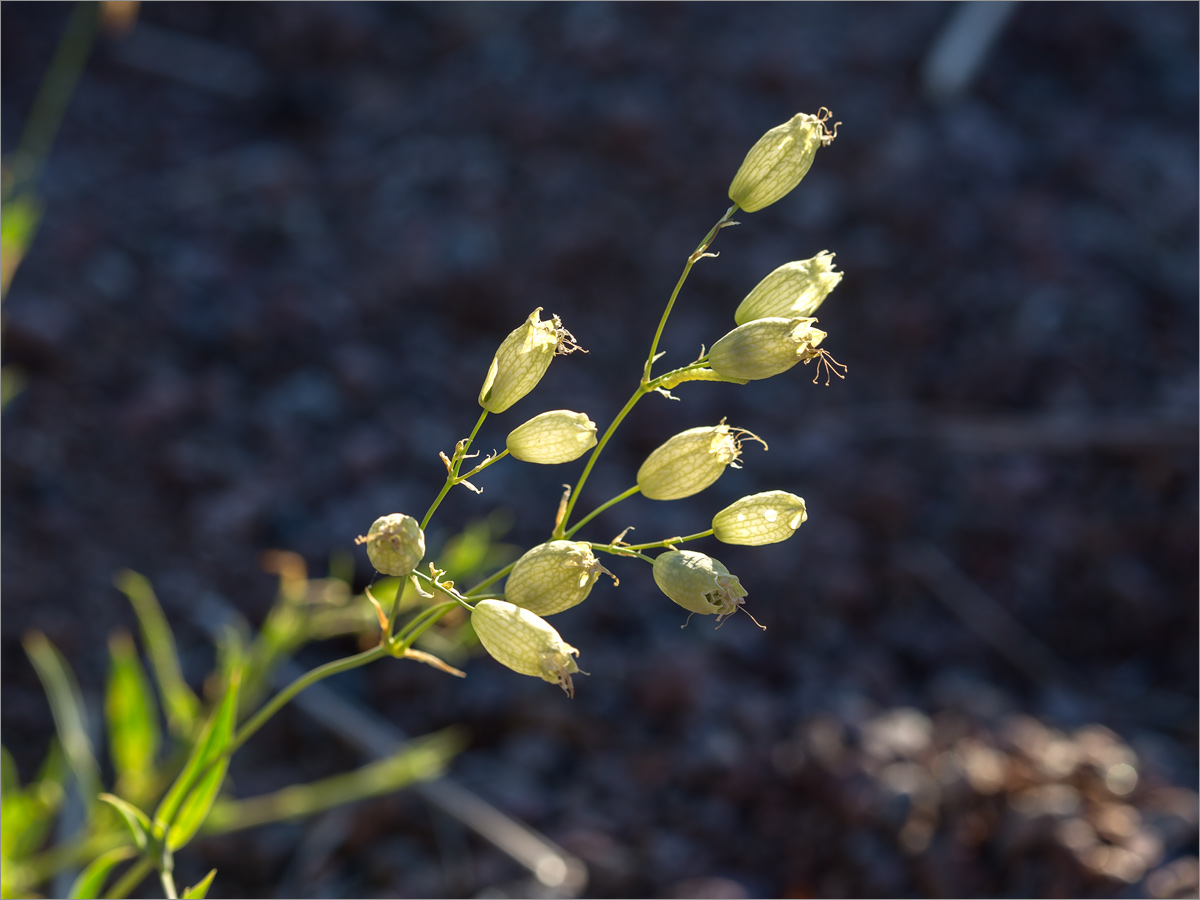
(524, 642)
(522, 360)
(553, 576)
(793, 291)
(395, 544)
(778, 160)
(698, 583)
(765, 518)
(690, 461)
(765, 347)
(558, 436)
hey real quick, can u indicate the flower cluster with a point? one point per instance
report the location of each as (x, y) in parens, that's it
(774, 331)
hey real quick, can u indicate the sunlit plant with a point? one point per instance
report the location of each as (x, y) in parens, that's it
(161, 801)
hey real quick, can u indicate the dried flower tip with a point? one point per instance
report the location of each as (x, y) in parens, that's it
(691, 461)
(698, 583)
(765, 518)
(793, 291)
(554, 576)
(558, 436)
(395, 544)
(522, 360)
(524, 642)
(780, 158)
(765, 347)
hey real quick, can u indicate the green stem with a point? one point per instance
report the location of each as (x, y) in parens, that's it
(667, 542)
(620, 550)
(460, 452)
(306, 680)
(490, 580)
(133, 876)
(168, 883)
(599, 509)
(420, 625)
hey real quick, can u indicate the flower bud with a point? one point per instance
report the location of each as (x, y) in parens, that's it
(395, 544)
(793, 291)
(779, 160)
(522, 360)
(765, 347)
(690, 461)
(553, 576)
(524, 642)
(558, 436)
(698, 583)
(765, 518)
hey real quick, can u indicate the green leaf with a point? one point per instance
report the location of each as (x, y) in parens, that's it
(189, 799)
(139, 823)
(200, 890)
(91, 880)
(133, 732)
(180, 704)
(27, 815)
(10, 780)
(66, 704)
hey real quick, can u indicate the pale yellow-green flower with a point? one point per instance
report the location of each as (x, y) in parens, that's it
(777, 162)
(395, 544)
(698, 583)
(553, 576)
(522, 360)
(765, 347)
(765, 518)
(793, 291)
(558, 436)
(524, 642)
(690, 461)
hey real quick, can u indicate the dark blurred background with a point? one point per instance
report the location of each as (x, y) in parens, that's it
(281, 242)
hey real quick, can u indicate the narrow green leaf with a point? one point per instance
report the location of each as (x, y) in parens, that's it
(189, 799)
(181, 705)
(129, 706)
(420, 759)
(66, 704)
(200, 889)
(91, 880)
(139, 823)
(10, 780)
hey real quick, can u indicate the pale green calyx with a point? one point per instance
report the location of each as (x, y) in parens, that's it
(690, 461)
(522, 360)
(554, 576)
(793, 291)
(780, 158)
(766, 518)
(698, 583)
(558, 436)
(765, 347)
(524, 642)
(395, 544)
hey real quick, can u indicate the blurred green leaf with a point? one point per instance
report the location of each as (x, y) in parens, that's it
(187, 803)
(200, 889)
(420, 759)
(180, 704)
(66, 704)
(140, 826)
(19, 218)
(10, 780)
(132, 715)
(91, 880)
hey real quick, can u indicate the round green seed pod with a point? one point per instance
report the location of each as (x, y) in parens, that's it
(522, 360)
(698, 583)
(689, 462)
(553, 576)
(765, 518)
(765, 347)
(524, 642)
(558, 436)
(778, 160)
(395, 544)
(793, 291)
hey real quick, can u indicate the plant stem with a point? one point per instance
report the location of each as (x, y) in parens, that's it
(460, 452)
(599, 509)
(490, 580)
(667, 542)
(277, 702)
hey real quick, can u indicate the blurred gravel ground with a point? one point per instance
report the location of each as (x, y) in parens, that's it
(268, 285)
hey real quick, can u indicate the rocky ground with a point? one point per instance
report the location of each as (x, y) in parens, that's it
(282, 241)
